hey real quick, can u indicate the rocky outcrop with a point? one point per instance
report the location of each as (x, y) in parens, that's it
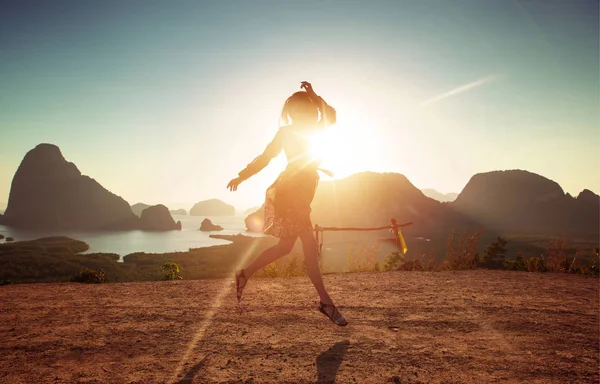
(213, 207)
(49, 192)
(208, 226)
(518, 202)
(588, 197)
(158, 218)
(138, 208)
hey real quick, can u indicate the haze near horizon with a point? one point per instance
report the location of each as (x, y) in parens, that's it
(165, 102)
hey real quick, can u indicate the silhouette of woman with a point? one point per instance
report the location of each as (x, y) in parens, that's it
(288, 199)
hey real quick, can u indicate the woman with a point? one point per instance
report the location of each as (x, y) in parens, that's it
(287, 204)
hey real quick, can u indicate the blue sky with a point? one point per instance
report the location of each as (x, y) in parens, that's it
(164, 102)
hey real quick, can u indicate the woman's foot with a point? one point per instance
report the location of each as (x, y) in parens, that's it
(240, 283)
(332, 312)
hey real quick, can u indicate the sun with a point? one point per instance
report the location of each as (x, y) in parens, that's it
(346, 148)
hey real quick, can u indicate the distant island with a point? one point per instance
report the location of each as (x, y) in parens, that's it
(158, 218)
(212, 207)
(139, 207)
(208, 226)
(48, 192)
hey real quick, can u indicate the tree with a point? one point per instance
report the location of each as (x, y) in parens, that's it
(494, 256)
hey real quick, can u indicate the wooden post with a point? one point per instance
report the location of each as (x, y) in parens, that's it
(395, 232)
(317, 239)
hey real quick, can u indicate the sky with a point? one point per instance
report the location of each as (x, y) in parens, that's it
(165, 102)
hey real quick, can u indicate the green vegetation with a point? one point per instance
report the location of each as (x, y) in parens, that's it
(171, 271)
(90, 276)
(494, 256)
(393, 261)
(59, 259)
(462, 254)
(289, 266)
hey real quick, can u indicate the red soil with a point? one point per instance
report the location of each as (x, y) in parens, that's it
(407, 327)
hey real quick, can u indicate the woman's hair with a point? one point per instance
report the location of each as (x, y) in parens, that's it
(300, 108)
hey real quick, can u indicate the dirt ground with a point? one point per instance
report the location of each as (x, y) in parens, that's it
(405, 327)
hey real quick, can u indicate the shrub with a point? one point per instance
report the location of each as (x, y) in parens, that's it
(462, 253)
(90, 276)
(270, 270)
(425, 263)
(557, 257)
(294, 266)
(518, 264)
(392, 261)
(171, 271)
(536, 264)
(595, 263)
(363, 258)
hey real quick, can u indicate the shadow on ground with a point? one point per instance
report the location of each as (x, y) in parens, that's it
(329, 362)
(189, 376)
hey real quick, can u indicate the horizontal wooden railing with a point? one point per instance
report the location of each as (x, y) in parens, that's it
(394, 227)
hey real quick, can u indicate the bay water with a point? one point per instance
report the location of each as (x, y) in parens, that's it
(126, 242)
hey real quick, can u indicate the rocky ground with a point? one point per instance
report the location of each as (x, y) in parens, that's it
(405, 327)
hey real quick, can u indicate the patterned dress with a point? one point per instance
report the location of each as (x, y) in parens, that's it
(288, 199)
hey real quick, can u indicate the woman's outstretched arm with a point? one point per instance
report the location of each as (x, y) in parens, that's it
(260, 162)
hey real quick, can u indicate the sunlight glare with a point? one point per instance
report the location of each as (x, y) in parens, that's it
(209, 315)
(350, 146)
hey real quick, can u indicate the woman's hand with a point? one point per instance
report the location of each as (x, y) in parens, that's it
(309, 89)
(233, 184)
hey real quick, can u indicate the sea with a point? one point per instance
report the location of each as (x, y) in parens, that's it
(126, 242)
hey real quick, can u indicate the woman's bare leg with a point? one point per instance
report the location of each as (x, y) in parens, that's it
(282, 248)
(311, 258)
